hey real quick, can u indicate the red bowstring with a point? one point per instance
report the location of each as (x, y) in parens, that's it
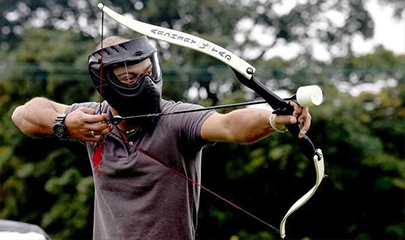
(206, 189)
(102, 58)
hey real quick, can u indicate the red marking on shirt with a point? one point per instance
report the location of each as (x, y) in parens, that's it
(97, 157)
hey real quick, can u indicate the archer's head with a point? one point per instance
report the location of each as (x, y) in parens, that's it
(131, 79)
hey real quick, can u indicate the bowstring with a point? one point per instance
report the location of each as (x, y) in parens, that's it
(126, 70)
(102, 60)
(206, 189)
(100, 87)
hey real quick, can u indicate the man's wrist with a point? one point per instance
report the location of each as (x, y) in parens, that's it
(282, 129)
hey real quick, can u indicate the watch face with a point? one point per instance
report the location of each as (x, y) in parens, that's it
(58, 130)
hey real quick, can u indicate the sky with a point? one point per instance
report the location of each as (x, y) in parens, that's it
(388, 32)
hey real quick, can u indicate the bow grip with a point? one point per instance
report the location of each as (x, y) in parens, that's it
(304, 144)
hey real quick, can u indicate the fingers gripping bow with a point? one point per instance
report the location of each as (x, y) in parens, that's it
(244, 72)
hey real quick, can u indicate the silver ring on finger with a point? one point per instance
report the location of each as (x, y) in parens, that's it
(92, 133)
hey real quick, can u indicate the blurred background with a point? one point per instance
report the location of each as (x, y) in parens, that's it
(353, 49)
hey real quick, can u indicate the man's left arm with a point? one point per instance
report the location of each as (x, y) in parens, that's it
(250, 125)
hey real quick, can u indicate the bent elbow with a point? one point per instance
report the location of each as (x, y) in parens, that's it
(18, 119)
(16, 116)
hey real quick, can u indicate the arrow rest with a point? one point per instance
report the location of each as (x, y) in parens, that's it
(116, 120)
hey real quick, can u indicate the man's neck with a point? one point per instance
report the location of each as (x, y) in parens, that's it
(125, 126)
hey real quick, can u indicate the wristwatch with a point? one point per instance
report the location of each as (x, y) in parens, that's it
(59, 128)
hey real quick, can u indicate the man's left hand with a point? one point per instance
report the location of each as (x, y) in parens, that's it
(300, 114)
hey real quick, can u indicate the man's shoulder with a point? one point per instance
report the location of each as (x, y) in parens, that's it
(171, 106)
(93, 105)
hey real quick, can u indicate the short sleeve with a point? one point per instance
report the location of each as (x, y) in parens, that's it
(187, 126)
(92, 105)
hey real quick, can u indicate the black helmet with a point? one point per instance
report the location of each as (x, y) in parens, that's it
(144, 96)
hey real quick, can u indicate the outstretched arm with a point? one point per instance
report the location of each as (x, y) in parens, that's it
(250, 125)
(36, 118)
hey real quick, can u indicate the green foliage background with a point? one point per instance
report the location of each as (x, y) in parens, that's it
(49, 183)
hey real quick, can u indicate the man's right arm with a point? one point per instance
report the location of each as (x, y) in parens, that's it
(36, 117)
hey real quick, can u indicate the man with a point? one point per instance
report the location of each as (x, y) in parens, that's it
(137, 194)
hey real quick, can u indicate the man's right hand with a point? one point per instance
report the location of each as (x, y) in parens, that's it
(84, 124)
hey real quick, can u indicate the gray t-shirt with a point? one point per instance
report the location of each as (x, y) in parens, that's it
(136, 195)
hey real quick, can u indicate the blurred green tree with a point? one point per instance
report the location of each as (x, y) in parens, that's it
(40, 177)
(49, 182)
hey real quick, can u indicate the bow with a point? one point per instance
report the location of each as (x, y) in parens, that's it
(245, 73)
